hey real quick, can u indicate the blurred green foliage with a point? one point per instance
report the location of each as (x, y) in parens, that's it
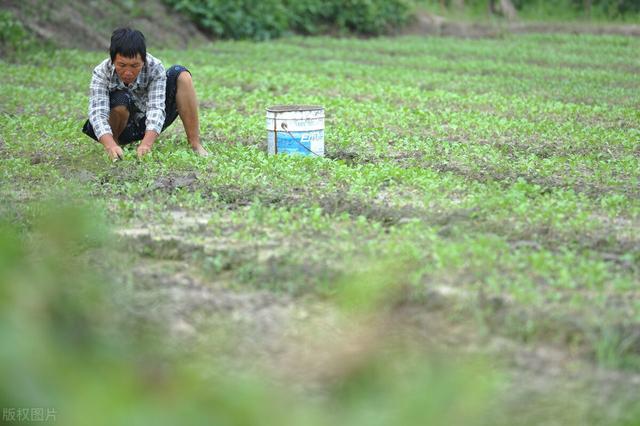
(14, 38)
(262, 20)
(69, 345)
(267, 19)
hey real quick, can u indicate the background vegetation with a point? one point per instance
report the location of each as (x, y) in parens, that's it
(14, 37)
(273, 18)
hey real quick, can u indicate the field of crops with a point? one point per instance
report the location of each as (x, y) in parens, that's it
(478, 198)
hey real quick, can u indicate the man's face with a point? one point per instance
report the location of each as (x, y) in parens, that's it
(128, 68)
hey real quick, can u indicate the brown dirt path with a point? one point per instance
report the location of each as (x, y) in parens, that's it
(429, 24)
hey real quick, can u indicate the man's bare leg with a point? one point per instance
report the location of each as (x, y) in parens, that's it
(187, 104)
(118, 118)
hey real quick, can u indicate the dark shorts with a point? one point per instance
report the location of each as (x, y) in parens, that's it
(135, 129)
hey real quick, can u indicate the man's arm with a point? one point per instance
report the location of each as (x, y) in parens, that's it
(99, 111)
(155, 108)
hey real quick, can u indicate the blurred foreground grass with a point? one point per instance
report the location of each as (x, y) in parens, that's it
(68, 344)
(72, 343)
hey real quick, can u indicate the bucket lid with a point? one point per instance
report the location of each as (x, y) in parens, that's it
(290, 108)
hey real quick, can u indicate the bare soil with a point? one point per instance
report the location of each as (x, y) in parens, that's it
(429, 24)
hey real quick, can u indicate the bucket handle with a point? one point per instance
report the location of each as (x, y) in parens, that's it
(286, 129)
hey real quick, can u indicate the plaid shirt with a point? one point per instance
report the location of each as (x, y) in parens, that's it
(147, 92)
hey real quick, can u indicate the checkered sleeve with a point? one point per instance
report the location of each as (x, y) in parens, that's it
(155, 106)
(99, 101)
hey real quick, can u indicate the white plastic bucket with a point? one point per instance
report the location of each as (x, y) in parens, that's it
(295, 129)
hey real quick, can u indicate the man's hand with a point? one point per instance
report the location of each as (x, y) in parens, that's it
(114, 152)
(146, 143)
(143, 149)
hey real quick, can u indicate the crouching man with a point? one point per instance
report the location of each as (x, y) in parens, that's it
(132, 98)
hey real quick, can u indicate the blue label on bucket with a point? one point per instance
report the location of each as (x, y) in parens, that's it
(297, 142)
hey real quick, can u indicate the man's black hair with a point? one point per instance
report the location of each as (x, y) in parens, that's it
(128, 43)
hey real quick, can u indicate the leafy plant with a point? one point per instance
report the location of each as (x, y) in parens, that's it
(14, 38)
(268, 19)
